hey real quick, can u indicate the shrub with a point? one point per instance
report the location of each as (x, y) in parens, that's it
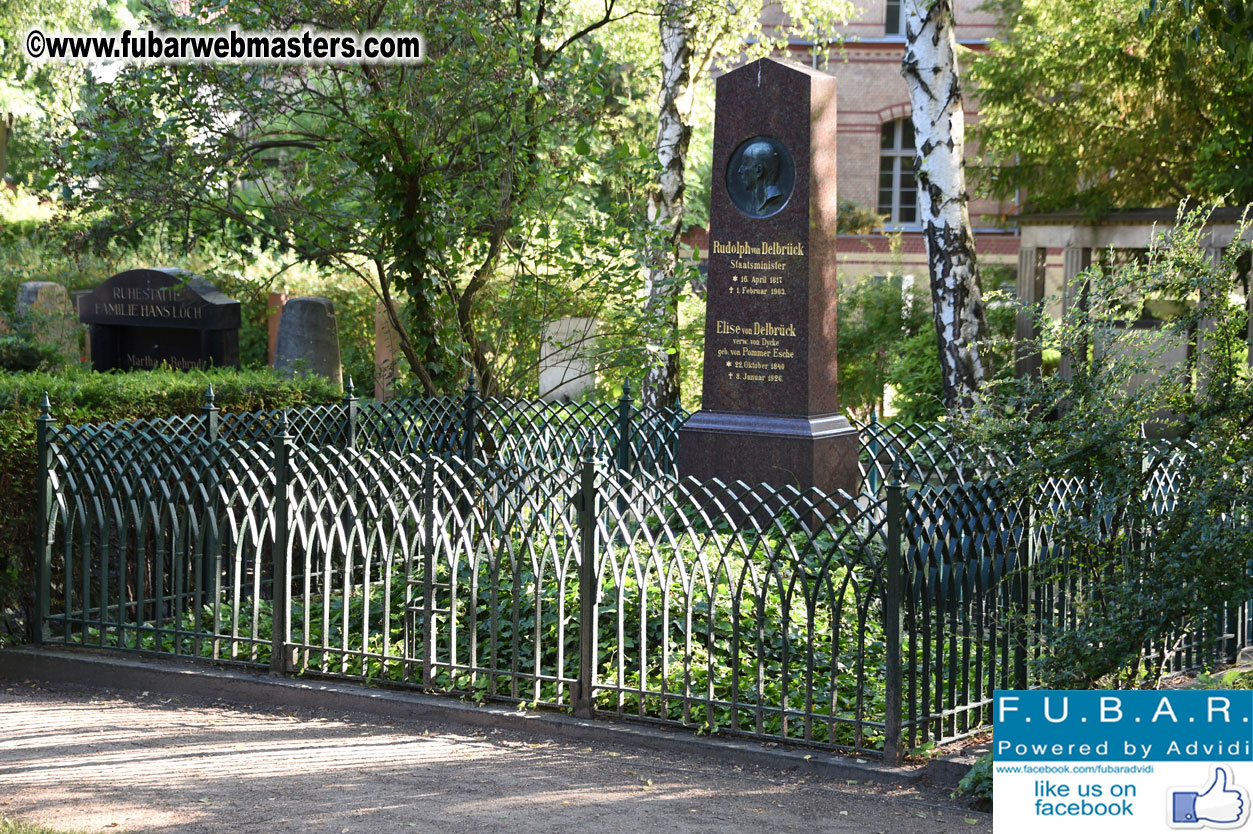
(247, 273)
(81, 396)
(878, 317)
(20, 352)
(977, 782)
(1148, 538)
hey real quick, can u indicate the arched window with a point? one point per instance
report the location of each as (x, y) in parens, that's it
(892, 19)
(898, 191)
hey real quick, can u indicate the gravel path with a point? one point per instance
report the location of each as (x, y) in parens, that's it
(104, 761)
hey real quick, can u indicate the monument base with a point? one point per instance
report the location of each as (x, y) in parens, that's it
(816, 451)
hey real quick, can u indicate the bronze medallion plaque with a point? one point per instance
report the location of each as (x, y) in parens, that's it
(760, 176)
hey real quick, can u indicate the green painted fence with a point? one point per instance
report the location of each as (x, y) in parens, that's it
(546, 554)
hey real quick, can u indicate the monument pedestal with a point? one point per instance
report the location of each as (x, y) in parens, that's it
(818, 451)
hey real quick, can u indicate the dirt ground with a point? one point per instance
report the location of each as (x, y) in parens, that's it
(111, 762)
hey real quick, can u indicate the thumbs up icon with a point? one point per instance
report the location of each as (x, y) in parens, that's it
(1221, 805)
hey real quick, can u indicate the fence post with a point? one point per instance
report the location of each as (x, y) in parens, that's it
(893, 613)
(350, 415)
(210, 572)
(281, 553)
(210, 415)
(586, 505)
(1020, 588)
(428, 572)
(469, 420)
(624, 427)
(43, 594)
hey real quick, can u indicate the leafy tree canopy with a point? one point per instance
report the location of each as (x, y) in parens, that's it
(1101, 104)
(39, 96)
(478, 194)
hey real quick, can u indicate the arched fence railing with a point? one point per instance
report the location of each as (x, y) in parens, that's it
(549, 555)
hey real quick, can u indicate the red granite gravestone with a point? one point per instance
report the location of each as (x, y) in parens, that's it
(770, 412)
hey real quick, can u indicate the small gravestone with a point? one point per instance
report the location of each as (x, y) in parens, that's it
(308, 342)
(144, 318)
(565, 365)
(770, 413)
(44, 309)
(386, 354)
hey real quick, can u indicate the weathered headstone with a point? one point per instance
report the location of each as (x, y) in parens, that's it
(770, 413)
(273, 315)
(386, 354)
(147, 317)
(308, 341)
(565, 366)
(44, 308)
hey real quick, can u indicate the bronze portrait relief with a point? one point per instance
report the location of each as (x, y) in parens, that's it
(760, 176)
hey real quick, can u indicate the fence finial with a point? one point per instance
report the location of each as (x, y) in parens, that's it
(874, 416)
(209, 396)
(589, 453)
(470, 389)
(350, 390)
(283, 423)
(626, 388)
(896, 474)
(45, 408)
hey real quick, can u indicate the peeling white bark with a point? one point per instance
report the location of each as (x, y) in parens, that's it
(660, 387)
(931, 71)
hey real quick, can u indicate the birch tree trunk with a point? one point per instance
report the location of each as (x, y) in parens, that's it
(931, 71)
(665, 207)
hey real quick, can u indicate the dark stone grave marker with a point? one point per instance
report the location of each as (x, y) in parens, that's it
(144, 317)
(770, 412)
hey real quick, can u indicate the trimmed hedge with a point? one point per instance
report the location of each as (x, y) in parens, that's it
(81, 396)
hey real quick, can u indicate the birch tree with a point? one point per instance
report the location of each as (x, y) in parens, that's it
(665, 205)
(931, 71)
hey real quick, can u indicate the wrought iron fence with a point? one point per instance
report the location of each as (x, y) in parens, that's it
(549, 555)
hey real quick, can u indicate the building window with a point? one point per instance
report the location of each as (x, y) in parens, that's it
(898, 191)
(892, 19)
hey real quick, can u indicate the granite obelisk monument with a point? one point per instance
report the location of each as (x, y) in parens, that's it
(770, 412)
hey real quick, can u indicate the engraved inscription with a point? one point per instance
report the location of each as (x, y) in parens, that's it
(755, 352)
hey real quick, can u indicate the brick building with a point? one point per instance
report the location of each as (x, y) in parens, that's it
(875, 143)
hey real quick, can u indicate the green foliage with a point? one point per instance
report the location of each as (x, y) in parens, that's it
(81, 396)
(855, 219)
(1093, 104)
(914, 374)
(1146, 537)
(245, 271)
(1240, 677)
(504, 615)
(8, 826)
(912, 366)
(20, 352)
(879, 318)
(978, 780)
(22, 215)
(490, 189)
(40, 95)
